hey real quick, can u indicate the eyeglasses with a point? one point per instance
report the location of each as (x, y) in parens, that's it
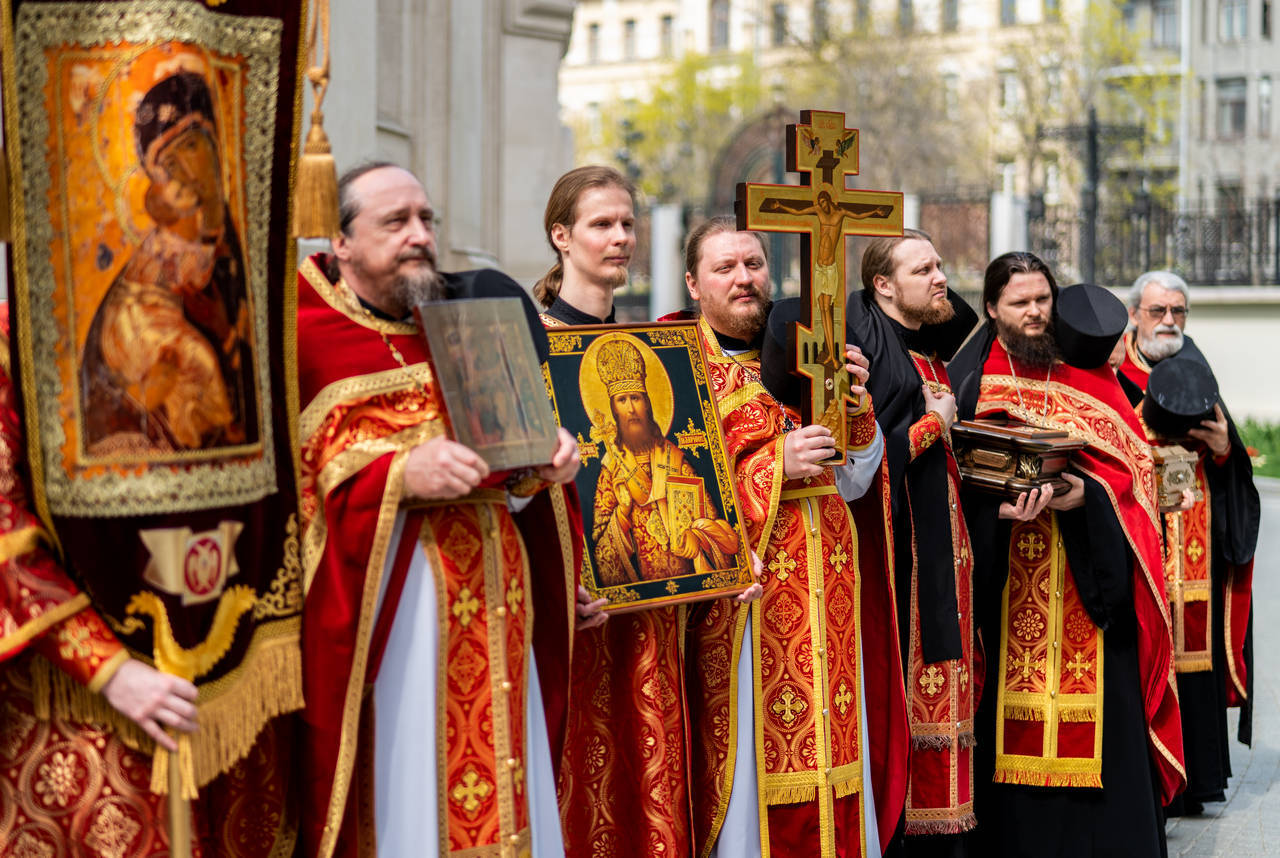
(1157, 313)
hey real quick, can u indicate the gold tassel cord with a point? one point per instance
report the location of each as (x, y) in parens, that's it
(315, 203)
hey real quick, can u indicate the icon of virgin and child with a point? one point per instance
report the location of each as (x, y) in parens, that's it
(168, 363)
(652, 518)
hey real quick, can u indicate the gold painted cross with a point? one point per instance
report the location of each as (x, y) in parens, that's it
(788, 706)
(471, 791)
(843, 698)
(826, 211)
(1079, 665)
(1026, 664)
(932, 680)
(1030, 546)
(466, 606)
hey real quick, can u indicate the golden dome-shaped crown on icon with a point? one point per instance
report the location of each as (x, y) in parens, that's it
(621, 367)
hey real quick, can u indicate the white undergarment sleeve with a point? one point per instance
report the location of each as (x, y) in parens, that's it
(856, 475)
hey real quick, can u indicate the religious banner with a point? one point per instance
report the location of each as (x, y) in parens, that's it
(827, 211)
(150, 149)
(491, 378)
(659, 509)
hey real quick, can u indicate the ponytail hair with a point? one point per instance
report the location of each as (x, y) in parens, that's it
(562, 208)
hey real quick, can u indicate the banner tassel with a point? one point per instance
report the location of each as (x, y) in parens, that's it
(315, 198)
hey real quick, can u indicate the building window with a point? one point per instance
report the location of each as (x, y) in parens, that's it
(862, 15)
(593, 43)
(950, 15)
(821, 29)
(1204, 109)
(629, 39)
(1231, 108)
(667, 35)
(1265, 30)
(1008, 91)
(1128, 15)
(1052, 183)
(1164, 24)
(1205, 17)
(1053, 87)
(1264, 106)
(951, 95)
(1052, 10)
(1007, 173)
(719, 25)
(779, 24)
(1233, 20)
(906, 16)
(1008, 13)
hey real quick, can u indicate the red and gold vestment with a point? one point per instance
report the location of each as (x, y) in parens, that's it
(941, 694)
(1208, 574)
(1188, 562)
(1050, 694)
(823, 602)
(363, 411)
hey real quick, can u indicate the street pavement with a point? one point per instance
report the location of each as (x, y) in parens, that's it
(1248, 822)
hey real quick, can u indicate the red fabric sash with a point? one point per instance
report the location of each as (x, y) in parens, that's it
(1091, 405)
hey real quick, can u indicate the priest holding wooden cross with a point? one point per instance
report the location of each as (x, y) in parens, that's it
(813, 760)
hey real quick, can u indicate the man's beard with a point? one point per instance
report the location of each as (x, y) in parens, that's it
(1157, 347)
(639, 435)
(928, 313)
(1039, 351)
(745, 323)
(422, 285)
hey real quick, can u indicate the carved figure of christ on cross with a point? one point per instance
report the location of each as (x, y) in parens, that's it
(827, 211)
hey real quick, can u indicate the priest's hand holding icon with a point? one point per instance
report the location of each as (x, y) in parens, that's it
(441, 469)
(564, 462)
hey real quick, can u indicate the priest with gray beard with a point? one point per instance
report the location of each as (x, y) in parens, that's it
(1209, 590)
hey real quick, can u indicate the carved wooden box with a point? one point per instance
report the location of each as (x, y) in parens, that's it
(1009, 458)
(1175, 471)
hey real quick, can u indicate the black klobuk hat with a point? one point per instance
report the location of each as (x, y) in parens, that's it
(1180, 393)
(1088, 320)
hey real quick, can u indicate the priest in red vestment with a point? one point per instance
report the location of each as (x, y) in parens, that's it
(624, 774)
(908, 324)
(424, 727)
(799, 721)
(1079, 742)
(1208, 551)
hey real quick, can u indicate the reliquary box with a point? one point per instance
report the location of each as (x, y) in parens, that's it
(1175, 472)
(1009, 458)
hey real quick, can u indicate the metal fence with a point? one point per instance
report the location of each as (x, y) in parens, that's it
(1239, 246)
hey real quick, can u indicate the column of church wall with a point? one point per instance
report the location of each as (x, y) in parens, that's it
(536, 149)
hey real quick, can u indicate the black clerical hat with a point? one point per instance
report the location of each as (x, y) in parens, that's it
(1088, 321)
(1180, 393)
(777, 349)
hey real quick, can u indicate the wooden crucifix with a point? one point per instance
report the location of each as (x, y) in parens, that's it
(825, 211)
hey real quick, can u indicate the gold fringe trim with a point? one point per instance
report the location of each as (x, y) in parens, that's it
(1048, 779)
(1077, 716)
(1023, 713)
(1197, 663)
(964, 823)
(790, 795)
(798, 794)
(269, 686)
(848, 787)
(942, 741)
